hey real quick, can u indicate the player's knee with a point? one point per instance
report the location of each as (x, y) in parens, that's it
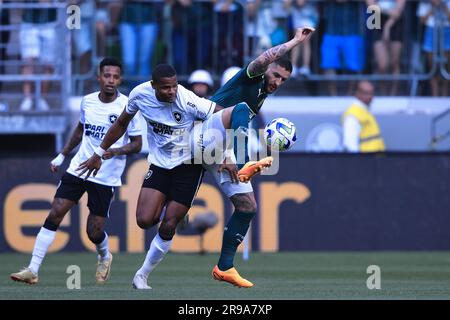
(244, 202)
(241, 107)
(143, 222)
(252, 206)
(240, 114)
(247, 206)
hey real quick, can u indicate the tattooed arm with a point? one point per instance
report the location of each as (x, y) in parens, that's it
(260, 64)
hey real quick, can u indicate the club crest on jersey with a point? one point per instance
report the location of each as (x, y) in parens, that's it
(177, 116)
(113, 118)
(149, 174)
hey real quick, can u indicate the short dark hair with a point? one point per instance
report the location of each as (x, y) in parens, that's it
(163, 71)
(110, 62)
(284, 62)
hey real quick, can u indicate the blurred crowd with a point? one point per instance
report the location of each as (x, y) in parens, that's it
(215, 35)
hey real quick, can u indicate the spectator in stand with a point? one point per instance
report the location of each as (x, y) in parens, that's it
(37, 42)
(201, 83)
(280, 16)
(435, 14)
(229, 22)
(105, 21)
(4, 38)
(83, 37)
(260, 25)
(251, 28)
(388, 40)
(303, 13)
(191, 34)
(343, 41)
(228, 74)
(138, 30)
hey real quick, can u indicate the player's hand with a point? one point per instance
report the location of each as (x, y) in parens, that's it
(109, 154)
(303, 34)
(55, 163)
(91, 165)
(232, 171)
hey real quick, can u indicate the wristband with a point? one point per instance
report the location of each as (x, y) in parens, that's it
(99, 151)
(58, 160)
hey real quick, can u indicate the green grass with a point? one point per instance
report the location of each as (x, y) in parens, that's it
(303, 275)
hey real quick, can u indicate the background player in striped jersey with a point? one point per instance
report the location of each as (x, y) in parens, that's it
(98, 112)
(172, 179)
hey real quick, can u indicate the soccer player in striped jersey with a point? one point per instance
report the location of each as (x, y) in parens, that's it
(98, 112)
(173, 179)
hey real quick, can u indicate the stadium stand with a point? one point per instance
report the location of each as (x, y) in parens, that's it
(199, 35)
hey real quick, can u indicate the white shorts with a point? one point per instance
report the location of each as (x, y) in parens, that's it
(38, 41)
(210, 137)
(223, 180)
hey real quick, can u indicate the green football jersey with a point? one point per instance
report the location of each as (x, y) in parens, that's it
(242, 88)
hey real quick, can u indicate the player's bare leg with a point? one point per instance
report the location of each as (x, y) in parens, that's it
(44, 239)
(160, 244)
(149, 207)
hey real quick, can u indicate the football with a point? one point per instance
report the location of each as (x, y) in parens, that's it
(280, 134)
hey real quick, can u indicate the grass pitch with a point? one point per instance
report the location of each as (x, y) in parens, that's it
(288, 276)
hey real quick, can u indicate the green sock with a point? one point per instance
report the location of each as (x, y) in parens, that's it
(239, 123)
(233, 235)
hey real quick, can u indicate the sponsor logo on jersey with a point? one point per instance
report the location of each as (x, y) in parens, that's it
(177, 116)
(200, 114)
(91, 130)
(149, 174)
(113, 118)
(162, 129)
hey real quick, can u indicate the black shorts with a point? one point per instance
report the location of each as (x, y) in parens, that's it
(179, 184)
(99, 196)
(396, 29)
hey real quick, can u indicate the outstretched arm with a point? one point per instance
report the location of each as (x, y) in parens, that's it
(260, 64)
(93, 164)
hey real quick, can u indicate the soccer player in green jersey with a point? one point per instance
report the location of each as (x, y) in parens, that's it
(242, 97)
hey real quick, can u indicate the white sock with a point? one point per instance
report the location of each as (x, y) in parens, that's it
(102, 248)
(44, 239)
(158, 248)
